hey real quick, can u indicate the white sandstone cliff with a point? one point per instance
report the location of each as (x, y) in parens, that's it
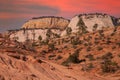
(46, 27)
(89, 21)
(47, 22)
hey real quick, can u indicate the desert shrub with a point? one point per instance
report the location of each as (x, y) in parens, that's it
(87, 67)
(95, 27)
(113, 47)
(51, 46)
(82, 27)
(65, 46)
(75, 41)
(74, 46)
(40, 38)
(57, 36)
(90, 66)
(99, 48)
(28, 45)
(107, 56)
(96, 42)
(119, 55)
(90, 57)
(45, 42)
(88, 49)
(72, 58)
(34, 44)
(68, 30)
(59, 57)
(108, 41)
(51, 56)
(49, 32)
(118, 43)
(43, 52)
(86, 44)
(108, 66)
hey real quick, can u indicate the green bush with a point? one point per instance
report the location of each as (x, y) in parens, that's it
(72, 58)
(107, 56)
(68, 30)
(59, 57)
(90, 57)
(109, 67)
(51, 46)
(99, 48)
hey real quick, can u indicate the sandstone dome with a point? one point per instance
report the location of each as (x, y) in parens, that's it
(90, 22)
(46, 22)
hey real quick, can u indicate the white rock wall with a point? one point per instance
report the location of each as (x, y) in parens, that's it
(102, 21)
(90, 20)
(23, 35)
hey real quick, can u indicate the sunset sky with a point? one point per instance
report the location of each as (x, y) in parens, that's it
(13, 13)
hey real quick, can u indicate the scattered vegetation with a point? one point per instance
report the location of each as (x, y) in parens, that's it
(51, 46)
(99, 48)
(109, 66)
(90, 57)
(59, 57)
(51, 56)
(73, 58)
(95, 27)
(82, 27)
(68, 30)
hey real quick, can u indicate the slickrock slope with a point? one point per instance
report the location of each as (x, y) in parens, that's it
(93, 49)
(20, 67)
(46, 22)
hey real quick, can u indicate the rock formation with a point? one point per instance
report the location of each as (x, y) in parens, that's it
(54, 27)
(44, 27)
(90, 22)
(34, 34)
(47, 22)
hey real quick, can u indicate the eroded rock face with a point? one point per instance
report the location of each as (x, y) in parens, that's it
(52, 27)
(12, 68)
(44, 27)
(90, 22)
(34, 34)
(47, 22)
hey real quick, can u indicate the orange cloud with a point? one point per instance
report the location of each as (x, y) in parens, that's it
(80, 6)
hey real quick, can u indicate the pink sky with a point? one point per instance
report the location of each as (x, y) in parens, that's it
(21, 10)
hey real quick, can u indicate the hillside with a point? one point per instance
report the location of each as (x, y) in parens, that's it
(92, 50)
(46, 54)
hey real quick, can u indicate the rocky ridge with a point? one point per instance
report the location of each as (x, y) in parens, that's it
(90, 22)
(46, 22)
(54, 27)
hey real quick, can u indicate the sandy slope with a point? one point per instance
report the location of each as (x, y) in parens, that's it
(17, 69)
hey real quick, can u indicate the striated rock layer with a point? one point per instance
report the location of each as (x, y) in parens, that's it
(44, 27)
(47, 22)
(12, 67)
